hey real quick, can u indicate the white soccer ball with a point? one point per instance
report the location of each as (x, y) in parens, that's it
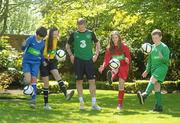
(60, 55)
(146, 48)
(28, 90)
(114, 63)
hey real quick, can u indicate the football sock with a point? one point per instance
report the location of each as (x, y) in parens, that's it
(149, 88)
(81, 100)
(93, 100)
(158, 98)
(45, 91)
(62, 87)
(35, 89)
(120, 97)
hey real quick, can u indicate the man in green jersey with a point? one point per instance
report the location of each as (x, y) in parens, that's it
(82, 42)
(157, 65)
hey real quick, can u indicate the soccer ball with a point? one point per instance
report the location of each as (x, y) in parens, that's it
(146, 48)
(114, 63)
(60, 55)
(28, 90)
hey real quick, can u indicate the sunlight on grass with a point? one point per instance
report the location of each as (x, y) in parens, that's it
(63, 111)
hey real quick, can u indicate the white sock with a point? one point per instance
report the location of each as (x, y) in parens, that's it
(81, 100)
(93, 100)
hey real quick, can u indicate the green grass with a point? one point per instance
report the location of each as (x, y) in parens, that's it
(19, 111)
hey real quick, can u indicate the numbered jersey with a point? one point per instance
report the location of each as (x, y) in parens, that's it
(83, 44)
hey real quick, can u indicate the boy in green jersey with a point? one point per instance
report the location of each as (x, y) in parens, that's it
(82, 42)
(157, 65)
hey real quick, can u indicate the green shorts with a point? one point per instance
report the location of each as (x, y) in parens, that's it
(160, 73)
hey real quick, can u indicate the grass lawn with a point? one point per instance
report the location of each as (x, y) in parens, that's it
(16, 111)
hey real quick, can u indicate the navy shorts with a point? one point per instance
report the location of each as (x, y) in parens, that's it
(84, 67)
(51, 65)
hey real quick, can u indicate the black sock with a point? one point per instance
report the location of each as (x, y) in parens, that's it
(45, 91)
(62, 87)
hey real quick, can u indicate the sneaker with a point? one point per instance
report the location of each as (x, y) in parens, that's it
(47, 107)
(32, 104)
(142, 97)
(69, 95)
(96, 107)
(119, 107)
(109, 77)
(158, 108)
(81, 107)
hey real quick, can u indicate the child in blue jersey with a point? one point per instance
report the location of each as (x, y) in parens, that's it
(32, 58)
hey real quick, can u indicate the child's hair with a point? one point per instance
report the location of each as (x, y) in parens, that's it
(156, 32)
(41, 31)
(111, 43)
(50, 38)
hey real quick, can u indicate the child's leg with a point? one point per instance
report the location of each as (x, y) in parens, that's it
(34, 73)
(46, 89)
(158, 105)
(150, 86)
(34, 80)
(27, 73)
(27, 78)
(121, 93)
(61, 83)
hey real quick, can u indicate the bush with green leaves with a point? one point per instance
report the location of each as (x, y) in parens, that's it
(130, 87)
(10, 64)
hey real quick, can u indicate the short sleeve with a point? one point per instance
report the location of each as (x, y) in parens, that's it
(94, 38)
(71, 38)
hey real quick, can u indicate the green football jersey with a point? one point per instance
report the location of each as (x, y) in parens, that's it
(83, 44)
(156, 65)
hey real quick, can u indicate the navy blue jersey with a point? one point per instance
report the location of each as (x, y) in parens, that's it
(33, 50)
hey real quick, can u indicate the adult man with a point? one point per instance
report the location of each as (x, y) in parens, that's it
(82, 57)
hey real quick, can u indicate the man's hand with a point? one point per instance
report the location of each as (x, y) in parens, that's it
(72, 59)
(95, 58)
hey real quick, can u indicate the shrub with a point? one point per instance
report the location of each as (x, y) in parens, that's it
(178, 84)
(141, 85)
(10, 64)
(53, 87)
(169, 86)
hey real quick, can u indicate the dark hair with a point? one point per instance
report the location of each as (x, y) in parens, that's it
(41, 31)
(111, 43)
(81, 21)
(156, 32)
(50, 38)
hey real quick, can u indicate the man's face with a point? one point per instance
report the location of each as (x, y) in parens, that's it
(156, 38)
(81, 27)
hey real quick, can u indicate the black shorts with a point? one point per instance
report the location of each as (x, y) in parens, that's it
(51, 65)
(84, 67)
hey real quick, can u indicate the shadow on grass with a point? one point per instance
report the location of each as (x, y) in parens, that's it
(107, 100)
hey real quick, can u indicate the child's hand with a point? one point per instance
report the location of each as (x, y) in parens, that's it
(24, 43)
(145, 73)
(44, 64)
(126, 60)
(101, 68)
(72, 59)
(160, 55)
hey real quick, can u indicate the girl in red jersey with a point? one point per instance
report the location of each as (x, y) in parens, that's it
(119, 50)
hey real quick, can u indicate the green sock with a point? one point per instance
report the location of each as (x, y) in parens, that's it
(158, 98)
(149, 88)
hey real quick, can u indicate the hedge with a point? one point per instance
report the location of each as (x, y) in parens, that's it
(130, 87)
